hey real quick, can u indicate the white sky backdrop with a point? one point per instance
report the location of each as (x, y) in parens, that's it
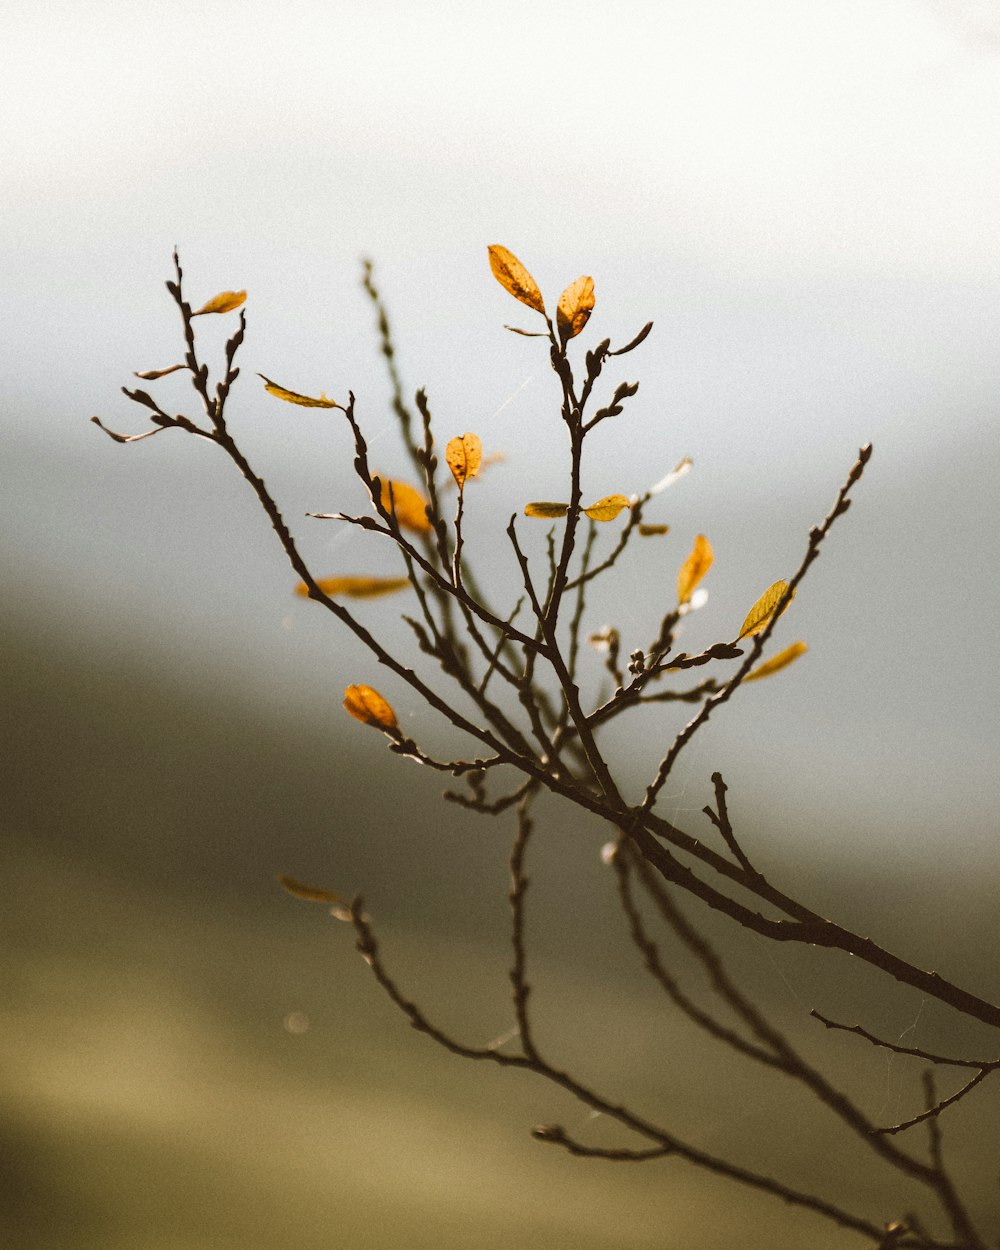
(803, 196)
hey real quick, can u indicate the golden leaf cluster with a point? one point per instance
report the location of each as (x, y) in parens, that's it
(605, 509)
(575, 304)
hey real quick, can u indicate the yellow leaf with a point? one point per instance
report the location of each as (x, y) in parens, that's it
(777, 662)
(224, 302)
(514, 278)
(647, 531)
(308, 892)
(408, 504)
(575, 306)
(368, 706)
(293, 397)
(464, 456)
(356, 587)
(607, 509)
(694, 568)
(760, 614)
(547, 511)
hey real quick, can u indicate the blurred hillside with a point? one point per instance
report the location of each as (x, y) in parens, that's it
(195, 1061)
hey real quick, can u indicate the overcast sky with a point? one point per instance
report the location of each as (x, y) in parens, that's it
(803, 196)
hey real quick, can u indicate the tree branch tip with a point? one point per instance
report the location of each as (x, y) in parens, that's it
(549, 1132)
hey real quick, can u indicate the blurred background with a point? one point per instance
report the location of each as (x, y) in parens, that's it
(803, 198)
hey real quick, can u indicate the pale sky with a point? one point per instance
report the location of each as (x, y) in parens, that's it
(803, 196)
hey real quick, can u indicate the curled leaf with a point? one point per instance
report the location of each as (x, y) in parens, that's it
(225, 301)
(694, 568)
(546, 511)
(308, 893)
(408, 504)
(608, 508)
(464, 455)
(152, 374)
(368, 706)
(648, 531)
(514, 278)
(356, 587)
(760, 614)
(293, 397)
(777, 662)
(678, 471)
(575, 306)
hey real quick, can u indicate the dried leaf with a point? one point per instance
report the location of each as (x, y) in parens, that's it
(225, 301)
(575, 306)
(464, 456)
(368, 706)
(514, 278)
(698, 600)
(604, 639)
(308, 893)
(760, 614)
(293, 397)
(408, 504)
(777, 662)
(608, 508)
(694, 568)
(648, 531)
(678, 471)
(356, 587)
(546, 511)
(152, 374)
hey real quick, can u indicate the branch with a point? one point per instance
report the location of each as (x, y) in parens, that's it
(816, 536)
(935, 1110)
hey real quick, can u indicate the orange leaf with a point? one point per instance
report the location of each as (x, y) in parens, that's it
(224, 302)
(777, 662)
(356, 587)
(694, 568)
(547, 511)
(575, 306)
(464, 456)
(760, 614)
(514, 278)
(608, 508)
(368, 706)
(293, 397)
(408, 504)
(309, 893)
